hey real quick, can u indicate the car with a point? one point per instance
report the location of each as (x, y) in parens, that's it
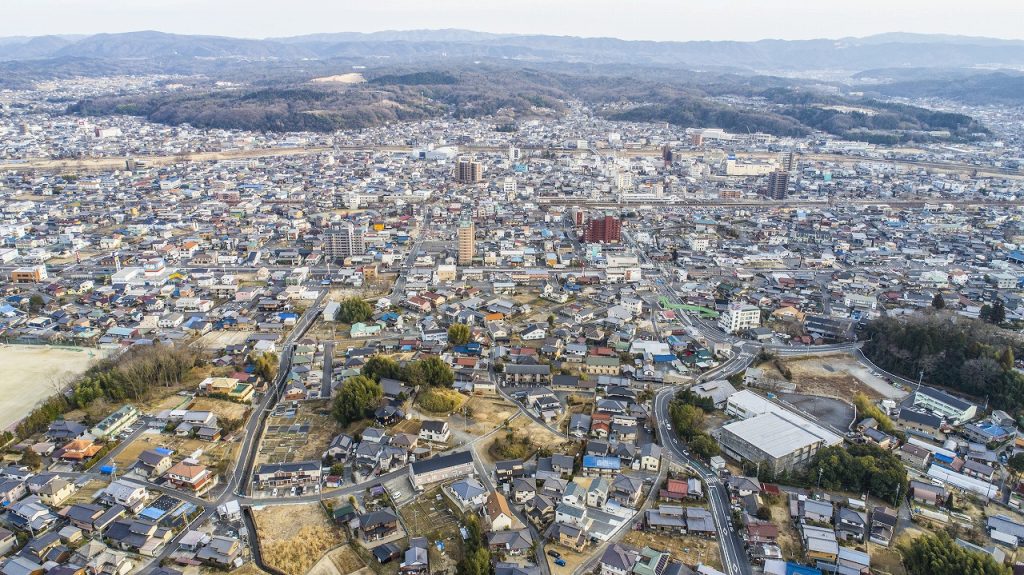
(554, 554)
(560, 562)
(274, 493)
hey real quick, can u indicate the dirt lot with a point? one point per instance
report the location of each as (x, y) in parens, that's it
(223, 409)
(294, 537)
(218, 340)
(34, 372)
(539, 435)
(572, 559)
(488, 412)
(302, 437)
(87, 493)
(789, 539)
(838, 375)
(886, 560)
(341, 561)
(686, 548)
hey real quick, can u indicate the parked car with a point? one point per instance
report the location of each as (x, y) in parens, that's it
(555, 554)
(560, 562)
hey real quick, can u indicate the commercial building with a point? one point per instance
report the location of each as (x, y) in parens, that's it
(344, 239)
(466, 243)
(771, 434)
(32, 274)
(605, 229)
(955, 410)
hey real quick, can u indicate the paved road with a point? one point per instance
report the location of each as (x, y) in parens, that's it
(327, 382)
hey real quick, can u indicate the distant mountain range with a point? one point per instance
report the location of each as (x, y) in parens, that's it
(417, 46)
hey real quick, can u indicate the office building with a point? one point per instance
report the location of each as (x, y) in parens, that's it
(605, 229)
(469, 171)
(343, 239)
(739, 318)
(778, 181)
(467, 243)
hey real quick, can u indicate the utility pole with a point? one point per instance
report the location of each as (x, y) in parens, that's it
(820, 471)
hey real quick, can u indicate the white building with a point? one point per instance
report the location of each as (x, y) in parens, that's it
(739, 318)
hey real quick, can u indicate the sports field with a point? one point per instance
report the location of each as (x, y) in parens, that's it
(31, 373)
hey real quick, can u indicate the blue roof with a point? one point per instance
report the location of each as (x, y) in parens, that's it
(152, 513)
(597, 462)
(664, 358)
(797, 569)
(163, 451)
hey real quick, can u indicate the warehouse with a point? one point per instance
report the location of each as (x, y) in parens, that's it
(776, 437)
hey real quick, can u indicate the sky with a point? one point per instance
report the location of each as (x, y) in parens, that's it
(677, 20)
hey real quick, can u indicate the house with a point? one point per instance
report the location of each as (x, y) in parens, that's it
(571, 515)
(498, 514)
(820, 544)
(534, 331)
(441, 468)
(618, 559)
(416, 560)
(594, 465)
(220, 551)
(923, 492)
(296, 473)
(139, 536)
(469, 492)
(883, 525)
(78, 450)
(650, 457)
(125, 493)
(193, 477)
(153, 463)
(597, 493)
(523, 489)
(436, 431)
(667, 518)
(114, 423)
(699, 522)
(377, 525)
(914, 455)
(30, 514)
(11, 490)
(512, 542)
(760, 532)
(62, 431)
(850, 525)
(508, 470)
(651, 562)
(570, 536)
(54, 493)
(718, 391)
(626, 490)
(1005, 530)
(526, 374)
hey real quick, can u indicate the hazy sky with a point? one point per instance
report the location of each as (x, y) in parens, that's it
(629, 19)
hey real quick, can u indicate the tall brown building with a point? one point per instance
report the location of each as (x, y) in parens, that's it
(778, 182)
(466, 243)
(469, 171)
(607, 229)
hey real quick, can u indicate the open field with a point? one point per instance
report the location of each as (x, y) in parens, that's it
(34, 372)
(789, 539)
(686, 548)
(294, 537)
(341, 561)
(222, 408)
(839, 375)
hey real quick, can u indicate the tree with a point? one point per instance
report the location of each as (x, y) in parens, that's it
(380, 366)
(687, 419)
(764, 513)
(458, 334)
(265, 365)
(31, 459)
(230, 425)
(1016, 465)
(938, 302)
(985, 313)
(703, 446)
(354, 310)
(436, 372)
(35, 303)
(357, 398)
(1006, 359)
(998, 312)
(551, 321)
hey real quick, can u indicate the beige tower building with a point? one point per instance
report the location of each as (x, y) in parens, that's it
(467, 243)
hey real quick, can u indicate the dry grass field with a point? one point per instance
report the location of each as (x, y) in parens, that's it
(294, 537)
(32, 373)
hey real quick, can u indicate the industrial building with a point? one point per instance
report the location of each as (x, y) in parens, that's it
(772, 435)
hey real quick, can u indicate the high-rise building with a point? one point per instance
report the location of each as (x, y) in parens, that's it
(469, 171)
(509, 186)
(778, 182)
(514, 154)
(467, 243)
(606, 229)
(343, 239)
(787, 161)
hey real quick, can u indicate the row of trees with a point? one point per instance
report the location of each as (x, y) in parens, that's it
(129, 376)
(938, 554)
(970, 356)
(431, 372)
(859, 468)
(688, 420)
(867, 408)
